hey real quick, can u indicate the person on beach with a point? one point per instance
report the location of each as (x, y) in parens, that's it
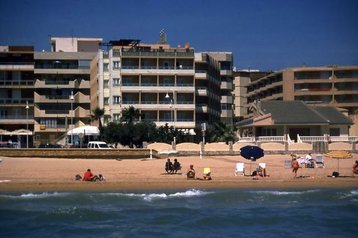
(176, 166)
(309, 161)
(191, 172)
(169, 166)
(295, 166)
(355, 168)
(88, 176)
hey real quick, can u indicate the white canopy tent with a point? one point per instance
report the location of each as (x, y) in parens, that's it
(84, 130)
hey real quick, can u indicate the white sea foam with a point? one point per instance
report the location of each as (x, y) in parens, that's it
(284, 193)
(351, 194)
(151, 196)
(33, 195)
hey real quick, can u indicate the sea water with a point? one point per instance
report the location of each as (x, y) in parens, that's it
(191, 213)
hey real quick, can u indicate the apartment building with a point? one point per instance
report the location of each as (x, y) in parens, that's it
(16, 95)
(243, 78)
(173, 86)
(225, 60)
(331, 85)
(62, 88)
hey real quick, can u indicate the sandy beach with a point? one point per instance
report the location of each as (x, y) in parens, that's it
(143, 174)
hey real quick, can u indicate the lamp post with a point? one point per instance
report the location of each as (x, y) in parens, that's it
(27, 124)
(172, 111)
(72, 115)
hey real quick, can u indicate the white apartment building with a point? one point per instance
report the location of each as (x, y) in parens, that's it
(173, 86)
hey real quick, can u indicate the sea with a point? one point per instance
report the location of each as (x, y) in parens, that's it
(187, 213)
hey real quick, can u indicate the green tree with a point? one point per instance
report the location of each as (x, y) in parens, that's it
(220, 132)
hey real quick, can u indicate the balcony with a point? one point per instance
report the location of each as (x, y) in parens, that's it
(226, 85)
(16, 119)
(226, 99)
(15, 101)
(200, 75)
(226, 72)
(17, 83)
(202, 91)
(54, 84)
(79, 113)
(159, 53)
(17, 67)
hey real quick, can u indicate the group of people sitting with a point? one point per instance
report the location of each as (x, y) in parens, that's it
(89, 176)
(190, 174)
(172, 168)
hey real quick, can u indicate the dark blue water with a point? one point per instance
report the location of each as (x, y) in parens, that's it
(193, 213)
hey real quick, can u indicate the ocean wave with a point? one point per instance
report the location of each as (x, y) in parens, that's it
(151, 196)
(349, 194)
(33, 195)
(285, 193)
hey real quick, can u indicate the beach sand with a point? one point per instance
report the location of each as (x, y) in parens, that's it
(144, 174)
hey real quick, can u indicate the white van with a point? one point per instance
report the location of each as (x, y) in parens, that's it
(98, 145)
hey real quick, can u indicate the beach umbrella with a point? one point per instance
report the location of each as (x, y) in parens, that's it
(252, 153)
(339, 154)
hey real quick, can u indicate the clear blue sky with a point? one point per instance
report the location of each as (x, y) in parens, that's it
(262, 34)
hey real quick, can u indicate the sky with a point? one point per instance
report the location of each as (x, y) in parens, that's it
(261, 34)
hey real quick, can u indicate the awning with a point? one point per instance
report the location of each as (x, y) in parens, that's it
(19, 132)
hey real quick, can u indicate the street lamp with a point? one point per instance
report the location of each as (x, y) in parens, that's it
(27, 124)
(72, 115)
(172, 112)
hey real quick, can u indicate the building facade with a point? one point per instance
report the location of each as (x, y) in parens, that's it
(332, 85)
(173, 86)
(16, 95)
(62, 88)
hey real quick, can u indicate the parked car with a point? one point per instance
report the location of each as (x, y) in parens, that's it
(98, 145)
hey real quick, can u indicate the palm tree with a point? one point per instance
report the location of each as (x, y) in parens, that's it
(97, 115)
(130, 115)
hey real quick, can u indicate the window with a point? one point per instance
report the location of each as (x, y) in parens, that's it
(106, 101)
(105, 67)
(116, 99)
(50, 123)
(116, 82)
(105, 83)
(84, 64)
(334, 132)
(116, 64)
(116, 117)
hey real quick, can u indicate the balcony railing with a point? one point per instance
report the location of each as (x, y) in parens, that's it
(16, 100)
(17, 82)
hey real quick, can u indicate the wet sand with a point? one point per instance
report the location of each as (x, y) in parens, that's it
(143, 174)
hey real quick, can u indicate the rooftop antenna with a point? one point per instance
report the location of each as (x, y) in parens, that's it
(162, 37)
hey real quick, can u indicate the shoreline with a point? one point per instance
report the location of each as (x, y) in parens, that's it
(35, 175)
(103, 187)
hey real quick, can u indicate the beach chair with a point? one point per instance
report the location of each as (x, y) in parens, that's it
(262, 165)
(240, 169)
(287, 164)
(319, 161)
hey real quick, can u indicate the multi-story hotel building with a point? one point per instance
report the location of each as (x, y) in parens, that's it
(167, 85)
(225, 60)
(62, 87)
(332, 85)
(16, 95)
